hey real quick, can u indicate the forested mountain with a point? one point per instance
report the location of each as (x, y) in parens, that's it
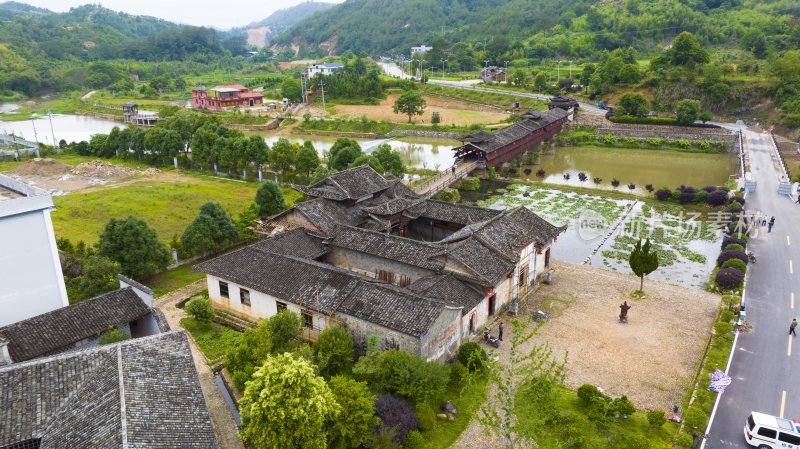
(544, 28)
(260, 33)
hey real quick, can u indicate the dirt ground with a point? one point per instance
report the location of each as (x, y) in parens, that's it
(59, 178)
(450, 111)
(652, 359)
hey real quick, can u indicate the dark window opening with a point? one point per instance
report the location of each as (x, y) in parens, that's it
(547, 258)
(308, 319)
(404, 280)
(765, 432)
(523, 274)
(492, 303)
(787, 438)
(280, 306)
(244, 296)
(223, 289)
(472, 324)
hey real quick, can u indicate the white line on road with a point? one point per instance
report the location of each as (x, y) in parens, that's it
(791, 271)
(783, 403)
(789, 350)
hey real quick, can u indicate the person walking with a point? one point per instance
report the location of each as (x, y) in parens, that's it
(791, 327)
(500, 330)
(454, 170)
(771, 223)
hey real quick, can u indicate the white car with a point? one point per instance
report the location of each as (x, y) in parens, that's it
(770, 432)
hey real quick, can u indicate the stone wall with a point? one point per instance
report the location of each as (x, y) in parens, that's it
(426, 133)
(675, 133)
(388, 339)
(443, 338)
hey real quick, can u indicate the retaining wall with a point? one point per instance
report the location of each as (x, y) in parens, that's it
(426, 133)
(696, 135)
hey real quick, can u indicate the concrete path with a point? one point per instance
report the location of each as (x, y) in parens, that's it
(224, 425)
(765, 363)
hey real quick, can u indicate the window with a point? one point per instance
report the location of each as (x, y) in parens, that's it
(787, 438)
(386, 276)
(244, 296)
(765, 432)
(280, 306)
(750, 422)
(404, 280)
(308, 319)
(223, 289)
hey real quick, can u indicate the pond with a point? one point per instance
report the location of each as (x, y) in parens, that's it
(67, 127)
(632, 165)
(687, 248)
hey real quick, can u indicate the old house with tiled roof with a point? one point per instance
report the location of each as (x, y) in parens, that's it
(370, 255)
(140, 393)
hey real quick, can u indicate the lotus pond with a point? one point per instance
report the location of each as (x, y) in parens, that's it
(687, 245)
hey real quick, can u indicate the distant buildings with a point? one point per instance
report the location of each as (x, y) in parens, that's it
(30, 270)
(323, 69)
(225, 97)
(420, 49)
(493, 74)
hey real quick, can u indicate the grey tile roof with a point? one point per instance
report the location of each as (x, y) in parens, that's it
(451, 290)
(351, 184)
(76, 400)
(298, 242)
(533, 120)
(391, 247)
(454, 213)
(325, 214)
(325, 289)
(480, 260)
(48, 332)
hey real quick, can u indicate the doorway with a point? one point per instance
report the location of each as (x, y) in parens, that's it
(492, 303)
(547, 258)
(472, 323)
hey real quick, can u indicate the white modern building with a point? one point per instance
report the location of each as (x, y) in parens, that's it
(421, 50)
(324, 69)
(31, 282)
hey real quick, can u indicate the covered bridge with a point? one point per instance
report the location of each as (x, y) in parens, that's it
(505, 144)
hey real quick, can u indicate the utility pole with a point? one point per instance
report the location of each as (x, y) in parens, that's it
(35, 135)
(443, 60)
(558, 71)
(485, 61)
(50, 114)
(570, 69)
(322, 87)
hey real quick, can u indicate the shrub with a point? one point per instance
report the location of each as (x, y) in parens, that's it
(637, 442)
(414, 440)
(413, 377)
(735, 263)
(587, 393)
(615, 183)
(684, 441)
(676, 195)
(737, 227)
(701, 196)
(426, 416)
(694, 418)
(200, 309)
(396, 414)
(471, 355)
(722, 327)
(333, 352)
(643, 120)
(729, 278)
(649, 187)
(512, 170)
(735, 204)
(736, 209)
(737, 199)
(623, 406)
(726, 316)
(728, 240)
(731, 254)
(527, 171)
(717, 198)
(458, 373)
(663, 194)
(734, 247)
(540, 173)
(740, 236)
(709, 189)
(686, 196)
(113, 335)
(656, 418)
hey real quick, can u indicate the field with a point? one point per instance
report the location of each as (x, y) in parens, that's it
(450, 111)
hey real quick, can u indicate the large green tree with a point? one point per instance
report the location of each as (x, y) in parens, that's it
(334, 351)
(410, 103)
(686, 50)
(359, 404)
(269, 198)
(390, 160)
(688, 111)
(134, 245)
(643, 261)
(99, 276)
(307, 158)
(211, 228)
(285, 406)
(291, 89)
(633, 103)
(283, 154)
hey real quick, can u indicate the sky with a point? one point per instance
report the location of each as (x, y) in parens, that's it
(216, 13)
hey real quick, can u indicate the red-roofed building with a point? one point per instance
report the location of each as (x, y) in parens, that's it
(224, 97)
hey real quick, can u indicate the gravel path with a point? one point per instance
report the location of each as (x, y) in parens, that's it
(651, 359)
(224, 425)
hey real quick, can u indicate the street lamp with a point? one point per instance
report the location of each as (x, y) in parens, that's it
(558, 71)
(485, 61)
(570, 69)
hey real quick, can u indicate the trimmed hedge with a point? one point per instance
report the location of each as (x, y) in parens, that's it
(730, 254)
(663, 194)
(737, 227)
(701, 196)
(735, 209)
(644, 120)
(728, 240)
(735, 263)
(729, 278)
(717, 198)
(686, 196)
(471, 355)
(709, 189)
(741, 237)
(737, 199)
(734, 247)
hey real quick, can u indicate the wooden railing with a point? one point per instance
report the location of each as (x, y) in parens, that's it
(446, 177)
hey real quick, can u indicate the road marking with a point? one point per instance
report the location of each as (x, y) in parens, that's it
(783, 402)
(789, 350)
(788, 242)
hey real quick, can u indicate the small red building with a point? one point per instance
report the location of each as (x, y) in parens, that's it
(224, 97)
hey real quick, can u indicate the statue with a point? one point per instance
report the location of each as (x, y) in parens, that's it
(623, 314)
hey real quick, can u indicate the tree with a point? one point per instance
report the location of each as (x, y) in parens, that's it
(629, 74)
(706, 116)
(211, 228)
(368, 159)
(200, 309)
(410, 103)
(134, 245)
(688, 111)
(390, 160)
(787, 68)
(755, 41)
(343, 158)
(269, 198)
(528, 385)
(285, 405)
(520, 78)
(283, 154)
(687, 51)
(356, 400)
(540, 81)
(291, 89)
(113, 335)
(283, 328)
(333, 351)
(99, 276)
(307, 158)
(244, 220)
(633, 103)
(643, 261)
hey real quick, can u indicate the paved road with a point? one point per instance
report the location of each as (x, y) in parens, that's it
(765, 365)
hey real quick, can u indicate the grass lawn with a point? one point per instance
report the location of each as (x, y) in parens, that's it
(168, 207)
(170, 280)
(213, 339)
(467, 402)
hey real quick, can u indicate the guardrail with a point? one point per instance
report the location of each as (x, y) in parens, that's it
(780, 156)
(439, 182)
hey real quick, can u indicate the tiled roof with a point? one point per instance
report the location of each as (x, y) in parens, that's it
(454, 213)
(325, 214)
(325, 289)
(298, 242)
(391, 247)
(480, 260)
(533, 120)
(48, 332)
(351, 184)
(450, 289)
(138, 393)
